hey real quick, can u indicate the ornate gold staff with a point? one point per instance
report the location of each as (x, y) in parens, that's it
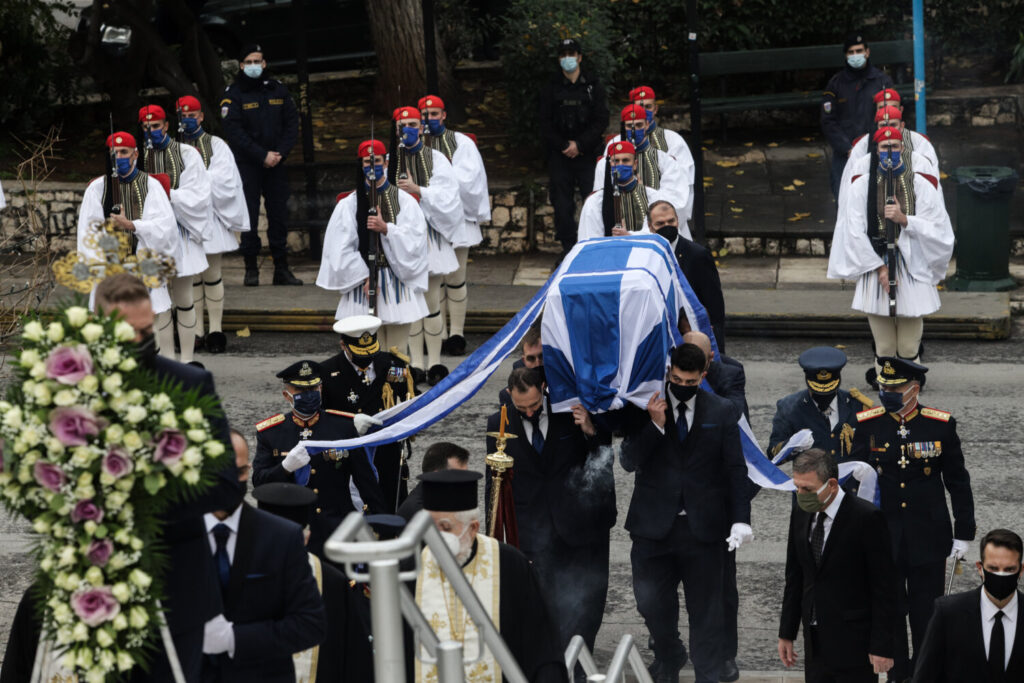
(499, 461)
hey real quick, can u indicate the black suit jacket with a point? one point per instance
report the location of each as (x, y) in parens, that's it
(567, 492)
(412, 504)
(730, 382)
(853, 592)
(954, 646)
(699, 268)
(706, 473)
(271, 600)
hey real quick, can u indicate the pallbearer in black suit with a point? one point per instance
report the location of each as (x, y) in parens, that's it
(563, 489)
(531, 355)
(828, 411)
(725, 375)
(840, 579)
(916, 452)
(280, 457)
(690, 506)
(365, 379)
(976, 636)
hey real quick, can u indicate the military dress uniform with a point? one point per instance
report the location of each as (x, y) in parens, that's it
(383, 381)
(918, 458)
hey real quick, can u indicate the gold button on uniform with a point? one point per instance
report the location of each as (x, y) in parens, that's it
(316, 491)
(312, 470)
(902, 505)
(318, 509)
(903, 484)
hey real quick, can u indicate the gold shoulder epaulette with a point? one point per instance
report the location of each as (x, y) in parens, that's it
(332, 411)
(869, 414)
(934, 414)
(401, 356)
(859, 395)
(270, 422)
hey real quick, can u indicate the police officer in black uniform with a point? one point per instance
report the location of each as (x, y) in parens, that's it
(573, 117)
(365, 379)
(916, 452)
(828, 411)
(261, 124)
(848, 107)
(279, 457)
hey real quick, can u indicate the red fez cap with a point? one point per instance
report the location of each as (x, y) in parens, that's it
(887, 133)
(888, 112)
(889, 95)
(621, 147)
(634, 112)
(406, 113)
(152, 112)
(431, 101)
(120, 139)
(643, 92)
(366, 145)
(188, 104)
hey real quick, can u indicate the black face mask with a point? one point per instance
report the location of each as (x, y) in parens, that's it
(146, 350)
(683, 393)
(823, 400)
(362, 361)
(669, 232)
(999, 586)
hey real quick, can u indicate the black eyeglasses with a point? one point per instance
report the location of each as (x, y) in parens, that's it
(533, 357)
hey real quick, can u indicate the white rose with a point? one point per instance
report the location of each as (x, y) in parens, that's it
(120, 622)
(12, 418)
(124, 332)
(33, 330)
(107, 659)
(98, 674)
(169, 420)
(160, 402)
(77, 316)
(138, 617)
(65, 397)
(117, 562)
(121, 591)
(193, 415)
(89, 384)
(132, 441)
(124, 661)
(114, 434)
(66, 556)
(192, 456)
(127, 365)
(122, 537)
(94, 575)
(135, 414)
(110, 357)
(191, 477)
(42, 394)
(55, 332)
(92, 332)
(64, 638)
(38, 371)
(125, 483)
(41, 526)
(30, 435)
(53, 445)
(196, 435)
(137, 544)
(136, 397)
(71, 582)
(97, 405)
(62, 614)
(214, 449)
(29, 357)
(112, 383)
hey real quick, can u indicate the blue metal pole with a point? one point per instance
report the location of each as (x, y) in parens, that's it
(920, 116)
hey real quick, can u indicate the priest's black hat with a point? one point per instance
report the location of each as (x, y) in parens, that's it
(450, 490)
(285, 499)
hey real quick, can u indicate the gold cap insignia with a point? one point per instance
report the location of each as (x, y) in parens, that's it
(430, 102)
(149, 116)
(888, 95)
(366, 339)
(643, 93)
(185, 107)
(824, 375)
(888, 369)
(632, 114)
(618, 148)
(118, 139)
(305, 370)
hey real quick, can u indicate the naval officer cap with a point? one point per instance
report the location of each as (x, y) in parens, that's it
(359, 332)
(896, 371)
(285, 499)
(305, 373)
(386, 527)
(822, 365)
(450, 490)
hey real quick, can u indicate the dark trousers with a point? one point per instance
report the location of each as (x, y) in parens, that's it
(839, 160)
(731, 605)
(816, 671)
(189, 647)
(392, 475)
(567, 175)
(919, 586)
(658, 569)
(575, 583)
(272, 185)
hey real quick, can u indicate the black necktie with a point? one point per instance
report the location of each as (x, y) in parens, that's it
(818, 539)
(681, 427)
(997, 650)
(221, 533)
(537, 438)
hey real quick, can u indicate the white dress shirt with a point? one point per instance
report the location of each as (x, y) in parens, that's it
(830, 516)
(543, 422)
(832, 412)
(687, 414)
(232, 523)
(988, 620)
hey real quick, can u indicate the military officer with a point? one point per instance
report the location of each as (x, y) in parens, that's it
(281, 457)
(365, 379)
(828, 411)
(916, 452)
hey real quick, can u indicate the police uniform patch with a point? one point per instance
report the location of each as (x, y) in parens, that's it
(276, 101)
(827, 106)
(224, 112)
(251, 105)
(270, 422)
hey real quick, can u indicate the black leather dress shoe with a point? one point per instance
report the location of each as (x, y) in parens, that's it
(252, 277)
(216, 342)
(283, 276)
(729, 672)
(436, 373)
(454, 345)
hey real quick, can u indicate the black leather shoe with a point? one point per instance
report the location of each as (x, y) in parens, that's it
(729, 672)
(216, 342)
(197, 364)
(436, 373)
(283, 276)
(200, 344)
(418, 376)
(454, 345)
(252, 277)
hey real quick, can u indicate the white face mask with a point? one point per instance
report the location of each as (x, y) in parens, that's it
(857, 61)
(457, 545)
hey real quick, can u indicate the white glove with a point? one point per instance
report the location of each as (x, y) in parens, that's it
(219, 636)
(296, 458)
(738, 535)
(363, 422)
(959, 550)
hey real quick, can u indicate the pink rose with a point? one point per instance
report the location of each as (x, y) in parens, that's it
(100, 551)
(116, 463)
(170, 444)
(48, 475)
(95, 605)
(69, 364)
(72, 425)
(86, 510)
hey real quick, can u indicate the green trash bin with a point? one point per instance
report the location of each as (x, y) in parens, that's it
(983, 228)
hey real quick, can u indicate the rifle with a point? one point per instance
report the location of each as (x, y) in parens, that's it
(617, 206)
(891, 251)
(112, 197)
(373, 253)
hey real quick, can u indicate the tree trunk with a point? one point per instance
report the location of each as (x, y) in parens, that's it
(397, 29)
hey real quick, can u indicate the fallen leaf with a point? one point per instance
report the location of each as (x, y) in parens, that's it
(723, 251)
(773, 144)
(730, 186)
(497, 148)
(798, 216)
(244, 332)
(840, 346)
(709, 179)
(787, 188)
(813, 155)
(806, 139)
(704, 148)
(709, 141)
(475, 122)
(708, 213)
(943, 175)
(727, 163)
(732, 201)
(739, 172)
(748, 144)
(714, 254)
(736, 209)
(798, 182)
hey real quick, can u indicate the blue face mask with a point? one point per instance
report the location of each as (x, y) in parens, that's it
(650, 116)
(410, 136)
(376, 171)
(892, 401)
(889, 159)
(308, 402)
(124, 166)
(189, 125)
(157, 136)
(568, 64)
(435, 126)
(856, 61)
(622, 173)
(253, 70)
(636, 136)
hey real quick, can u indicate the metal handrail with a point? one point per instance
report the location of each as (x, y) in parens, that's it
(578, 652)
(625, 653)
(352, 543)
